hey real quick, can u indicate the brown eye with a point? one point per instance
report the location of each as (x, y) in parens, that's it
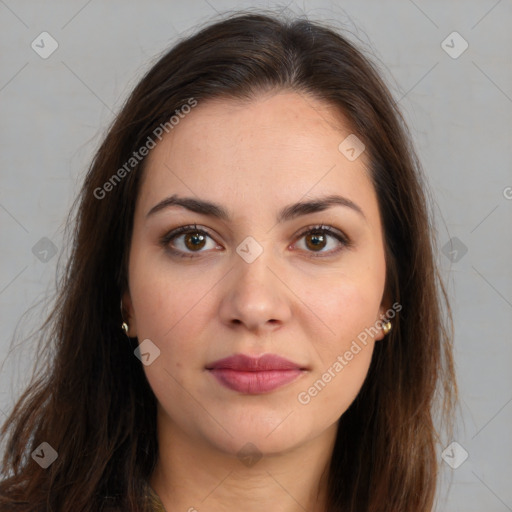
(317, 238)
(186, 240)
(194, 240)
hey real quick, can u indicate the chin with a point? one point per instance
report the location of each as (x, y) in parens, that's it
(266, 437)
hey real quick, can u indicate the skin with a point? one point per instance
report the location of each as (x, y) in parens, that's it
(254, 159)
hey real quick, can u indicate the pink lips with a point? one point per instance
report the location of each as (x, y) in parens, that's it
(255, 375)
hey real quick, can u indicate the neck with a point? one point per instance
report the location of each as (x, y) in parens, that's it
(192, 475)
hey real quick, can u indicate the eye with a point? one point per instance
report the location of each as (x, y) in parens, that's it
(316, 238)
(194, 239)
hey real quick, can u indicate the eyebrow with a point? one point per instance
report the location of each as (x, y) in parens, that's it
(289, 212)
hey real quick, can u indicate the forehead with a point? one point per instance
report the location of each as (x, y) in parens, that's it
(269, 151)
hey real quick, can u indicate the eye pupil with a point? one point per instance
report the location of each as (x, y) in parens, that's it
(197, 240)
(315, 237)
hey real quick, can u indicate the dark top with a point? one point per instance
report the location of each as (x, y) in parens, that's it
(154, 500)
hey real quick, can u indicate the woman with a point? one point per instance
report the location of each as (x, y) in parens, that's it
(251, 315)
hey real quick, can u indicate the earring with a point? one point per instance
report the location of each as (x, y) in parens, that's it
(386, 327)
(124, 325)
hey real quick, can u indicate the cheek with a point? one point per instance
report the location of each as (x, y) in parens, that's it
(344, 355)
(169, 311)
(163, 297)
(172, 309)
(348, 307)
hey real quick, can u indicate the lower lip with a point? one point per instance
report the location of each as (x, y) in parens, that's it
(254, 383)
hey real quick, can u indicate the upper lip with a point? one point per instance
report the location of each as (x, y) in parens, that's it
(266, 362)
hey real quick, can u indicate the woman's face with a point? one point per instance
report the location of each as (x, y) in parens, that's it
(252, 281)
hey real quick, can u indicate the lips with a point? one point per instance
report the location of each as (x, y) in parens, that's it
(252, 375)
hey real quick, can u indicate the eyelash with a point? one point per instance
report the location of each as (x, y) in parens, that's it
(318, 229)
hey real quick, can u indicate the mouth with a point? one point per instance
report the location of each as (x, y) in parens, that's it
(250, 375)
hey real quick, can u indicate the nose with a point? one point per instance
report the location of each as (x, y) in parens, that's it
(254, 296)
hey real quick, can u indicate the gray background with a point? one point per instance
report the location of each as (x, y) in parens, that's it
(54, 112)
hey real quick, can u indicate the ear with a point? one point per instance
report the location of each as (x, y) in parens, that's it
(128, 315)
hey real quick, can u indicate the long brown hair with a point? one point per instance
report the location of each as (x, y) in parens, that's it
(91, 400)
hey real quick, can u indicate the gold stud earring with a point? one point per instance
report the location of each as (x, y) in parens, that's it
(124, 325)
(386, 327)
